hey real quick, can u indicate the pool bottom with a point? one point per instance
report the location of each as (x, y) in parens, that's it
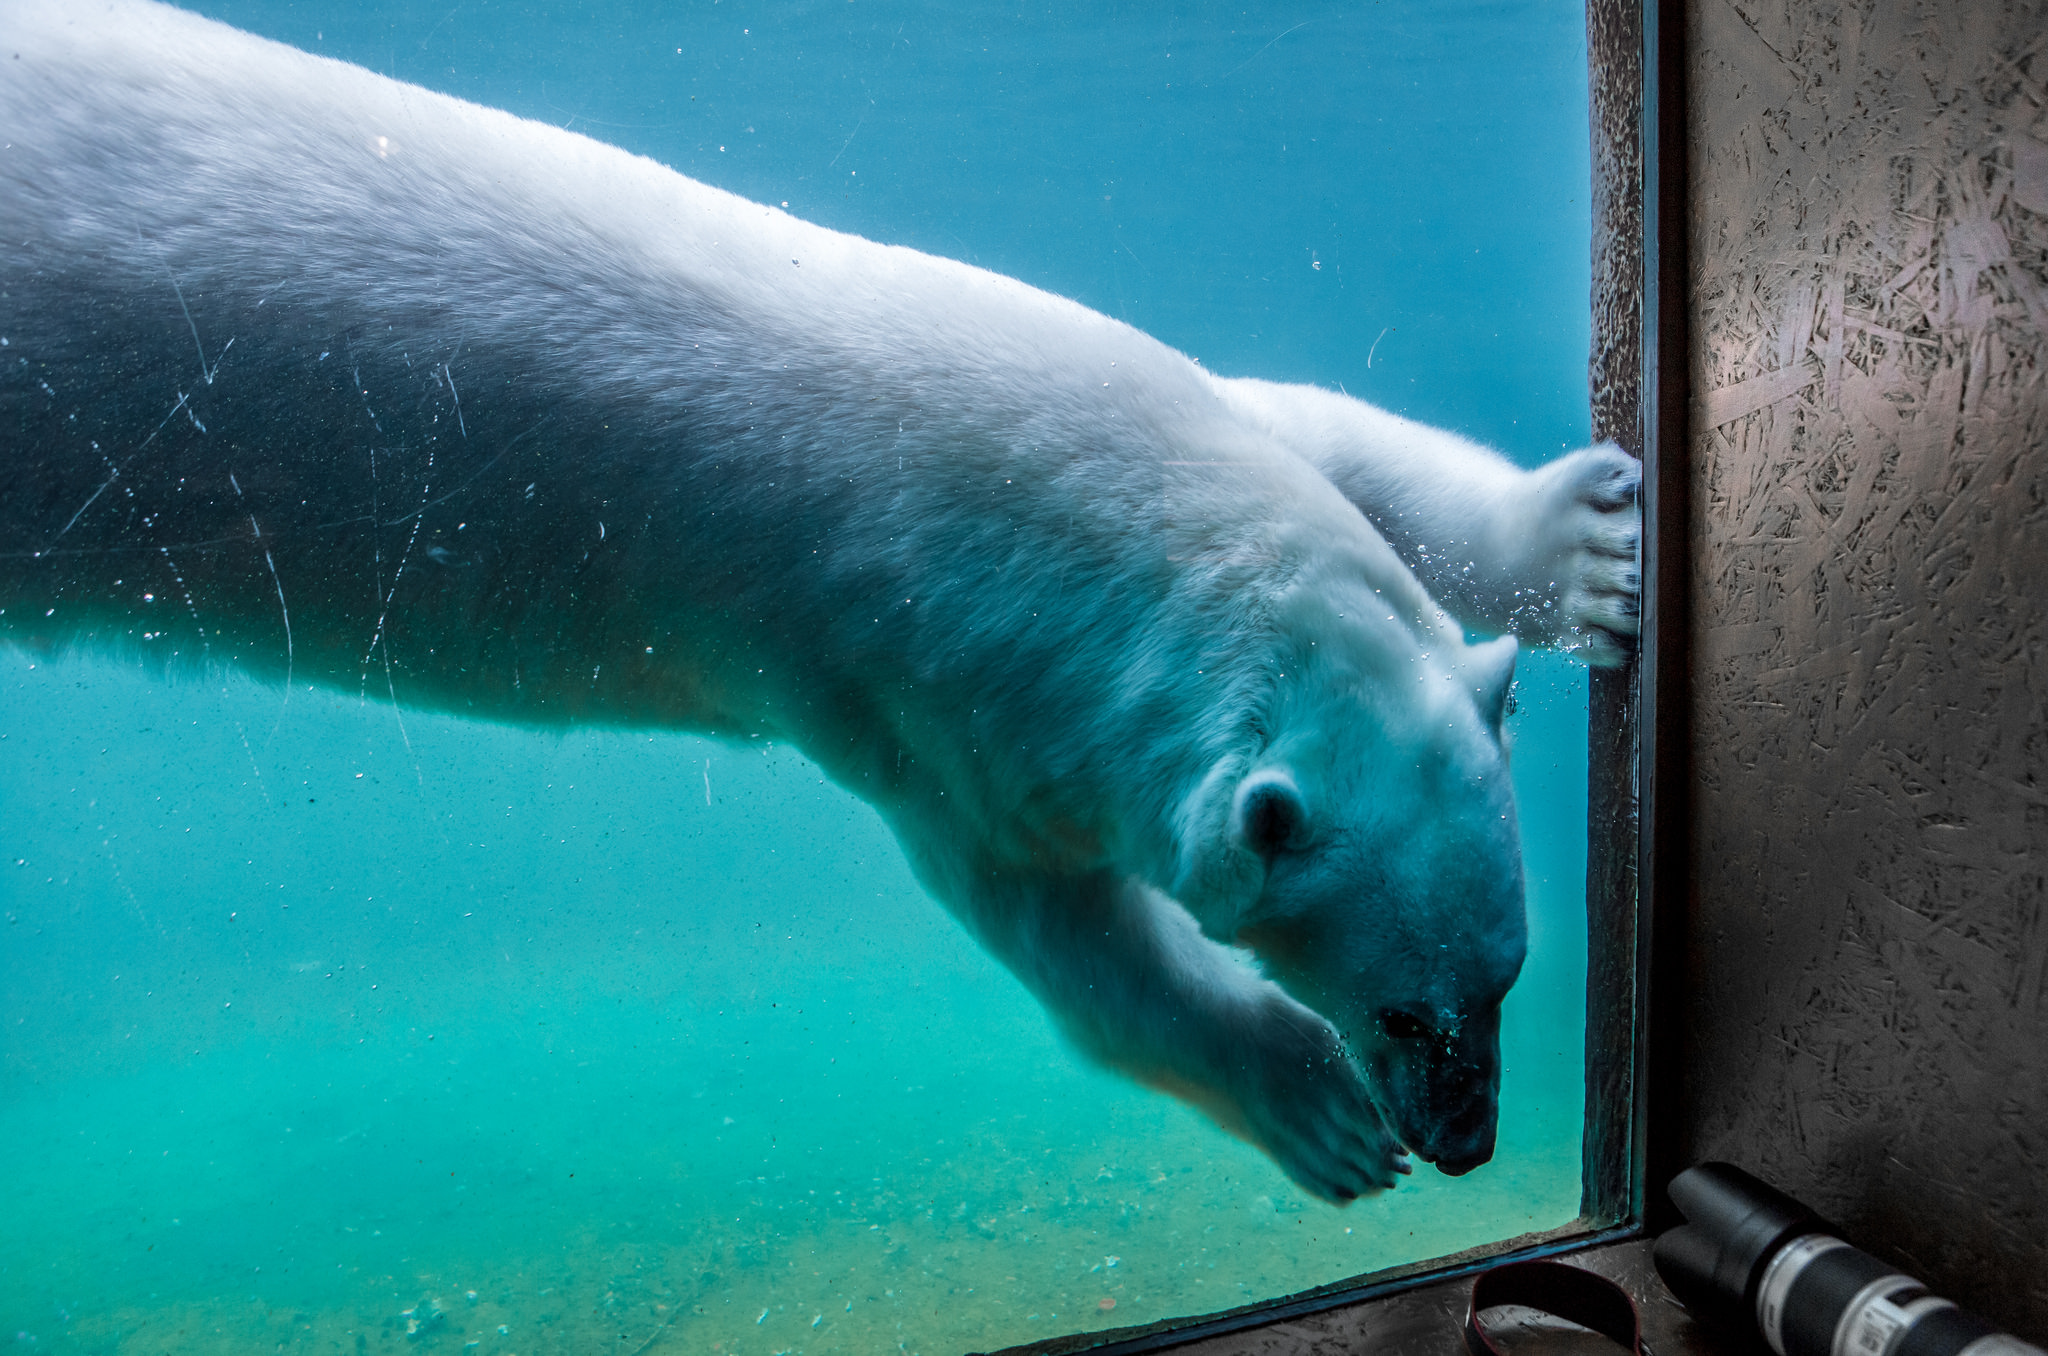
(642, 1043)
(481, 1193)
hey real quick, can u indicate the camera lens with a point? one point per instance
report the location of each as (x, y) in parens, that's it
(1751, 1259)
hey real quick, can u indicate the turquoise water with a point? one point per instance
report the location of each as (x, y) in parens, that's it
(323, 1021)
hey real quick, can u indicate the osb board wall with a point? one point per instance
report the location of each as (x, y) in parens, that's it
(1868, 1019)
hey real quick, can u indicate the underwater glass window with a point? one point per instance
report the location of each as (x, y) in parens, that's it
(511, 657)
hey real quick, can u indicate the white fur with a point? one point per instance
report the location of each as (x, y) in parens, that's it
(1075, 592)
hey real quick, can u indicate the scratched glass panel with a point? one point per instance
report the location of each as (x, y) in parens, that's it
(564, 740)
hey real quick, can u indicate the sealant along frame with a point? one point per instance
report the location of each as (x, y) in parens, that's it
(1635, 835)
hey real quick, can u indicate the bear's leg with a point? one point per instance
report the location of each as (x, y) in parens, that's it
(1133, 982)
(1548, 555)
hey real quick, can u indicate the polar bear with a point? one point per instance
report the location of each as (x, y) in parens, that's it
(336, 380)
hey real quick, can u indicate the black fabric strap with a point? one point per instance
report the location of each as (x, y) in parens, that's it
(1567, 1292)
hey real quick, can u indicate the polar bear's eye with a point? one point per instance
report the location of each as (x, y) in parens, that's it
(1403, 1026)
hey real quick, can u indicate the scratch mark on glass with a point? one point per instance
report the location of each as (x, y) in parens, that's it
(205, 371)
(448, 376)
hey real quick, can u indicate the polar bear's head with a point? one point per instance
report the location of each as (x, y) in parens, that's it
(1366, 850)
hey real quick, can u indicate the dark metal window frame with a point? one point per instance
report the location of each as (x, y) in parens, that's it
(1636, 731)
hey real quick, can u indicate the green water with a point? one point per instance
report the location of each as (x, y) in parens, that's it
(319, 1020)
(310, 1020)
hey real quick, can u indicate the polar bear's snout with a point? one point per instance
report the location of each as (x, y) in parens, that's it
(1439, 1084)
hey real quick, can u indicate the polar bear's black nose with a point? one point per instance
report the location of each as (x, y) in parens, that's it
(1444, 1079)
(1460, 1150)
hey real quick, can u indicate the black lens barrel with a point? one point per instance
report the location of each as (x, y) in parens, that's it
(1751, 1260)
(1734, 1225)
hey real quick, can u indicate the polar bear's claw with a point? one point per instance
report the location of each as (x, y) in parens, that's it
(1307, 1105)
(1587, 522)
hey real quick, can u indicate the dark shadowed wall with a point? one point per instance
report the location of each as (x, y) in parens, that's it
(1867, 1013)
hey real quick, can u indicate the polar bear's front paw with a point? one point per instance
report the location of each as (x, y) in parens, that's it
(1306, 1104)
(1587, 537)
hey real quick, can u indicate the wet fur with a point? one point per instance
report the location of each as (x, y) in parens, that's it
(330, 378)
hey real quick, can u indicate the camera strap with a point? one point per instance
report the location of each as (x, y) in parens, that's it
(1562, 1291)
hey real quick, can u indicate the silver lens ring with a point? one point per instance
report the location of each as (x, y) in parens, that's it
(1785, 1268)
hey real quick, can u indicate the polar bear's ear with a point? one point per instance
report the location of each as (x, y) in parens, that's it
(1492, 667)
(1269, 815)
